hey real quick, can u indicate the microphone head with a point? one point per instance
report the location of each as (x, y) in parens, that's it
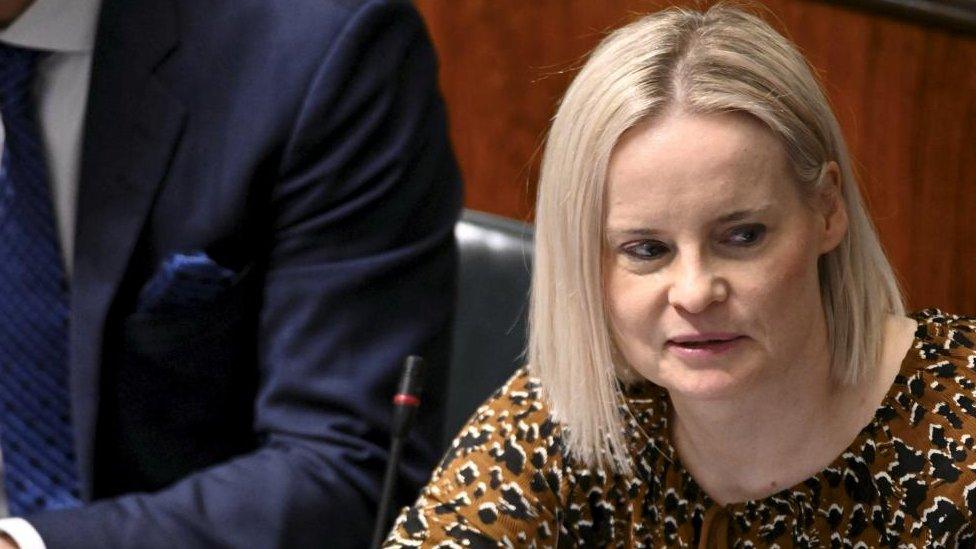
(411, 382)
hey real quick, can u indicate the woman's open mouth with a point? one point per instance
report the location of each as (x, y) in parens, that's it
(703, 345)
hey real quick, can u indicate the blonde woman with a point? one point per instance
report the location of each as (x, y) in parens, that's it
(719, 354)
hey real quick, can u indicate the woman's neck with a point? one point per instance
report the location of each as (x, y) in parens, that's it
(784, 430)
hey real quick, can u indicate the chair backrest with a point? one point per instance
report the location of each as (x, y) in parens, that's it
(489, 326)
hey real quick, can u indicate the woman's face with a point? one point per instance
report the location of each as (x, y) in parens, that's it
(710, 258)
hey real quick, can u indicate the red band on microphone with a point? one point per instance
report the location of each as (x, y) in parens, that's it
(403, 399)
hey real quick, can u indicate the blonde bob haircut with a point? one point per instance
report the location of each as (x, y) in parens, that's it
(719, 60)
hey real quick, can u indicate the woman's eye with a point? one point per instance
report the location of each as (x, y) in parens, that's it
(747, 235)
(648, 249)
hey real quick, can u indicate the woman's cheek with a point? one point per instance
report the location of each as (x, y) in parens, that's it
(783, 285)
(634, 314)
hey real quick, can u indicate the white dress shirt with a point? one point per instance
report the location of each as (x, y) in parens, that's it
(66, 28)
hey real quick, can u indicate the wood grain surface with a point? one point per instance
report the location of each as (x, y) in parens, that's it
(904, 91)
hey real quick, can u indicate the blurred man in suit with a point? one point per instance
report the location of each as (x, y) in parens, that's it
(224, 225)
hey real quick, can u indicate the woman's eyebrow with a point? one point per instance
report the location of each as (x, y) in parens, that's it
(637, 231)
(739, 215)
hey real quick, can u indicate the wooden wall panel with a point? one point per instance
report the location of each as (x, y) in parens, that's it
(904, 92)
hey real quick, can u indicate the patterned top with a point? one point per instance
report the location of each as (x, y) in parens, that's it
(907, 480)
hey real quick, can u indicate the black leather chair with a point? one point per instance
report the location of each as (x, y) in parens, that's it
(490, 326)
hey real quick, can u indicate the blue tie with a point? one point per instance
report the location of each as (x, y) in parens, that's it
(35, 424)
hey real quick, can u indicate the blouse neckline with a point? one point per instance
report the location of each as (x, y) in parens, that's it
(647, 411)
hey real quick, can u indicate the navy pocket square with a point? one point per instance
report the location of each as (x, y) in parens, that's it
(184, 281)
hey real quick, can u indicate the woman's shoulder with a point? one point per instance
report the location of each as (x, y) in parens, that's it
(942, 356)
(930, 421)
(503, 477)
(941, 323)
(952, 331)
(516, 415)
(938, 375)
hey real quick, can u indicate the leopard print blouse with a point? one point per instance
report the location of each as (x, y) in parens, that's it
(907, 480)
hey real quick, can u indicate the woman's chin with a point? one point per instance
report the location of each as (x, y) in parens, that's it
(718, 383)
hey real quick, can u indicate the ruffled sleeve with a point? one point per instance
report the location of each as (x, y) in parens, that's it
(501, 482)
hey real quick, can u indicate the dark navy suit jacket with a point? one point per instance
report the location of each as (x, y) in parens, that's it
(301, 143)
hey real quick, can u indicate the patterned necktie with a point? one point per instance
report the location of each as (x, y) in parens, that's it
(35, 425)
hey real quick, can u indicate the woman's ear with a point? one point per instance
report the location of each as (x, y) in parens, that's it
(833, 207)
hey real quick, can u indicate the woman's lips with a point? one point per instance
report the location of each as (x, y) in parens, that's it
(700, 346)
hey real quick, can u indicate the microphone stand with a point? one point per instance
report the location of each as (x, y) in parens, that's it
(405, 403)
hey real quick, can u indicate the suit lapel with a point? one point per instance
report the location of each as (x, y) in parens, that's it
(132, 127)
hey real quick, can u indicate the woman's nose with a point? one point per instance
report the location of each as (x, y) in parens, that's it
(695, 286)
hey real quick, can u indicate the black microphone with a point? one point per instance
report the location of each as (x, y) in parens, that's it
(405, 402)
